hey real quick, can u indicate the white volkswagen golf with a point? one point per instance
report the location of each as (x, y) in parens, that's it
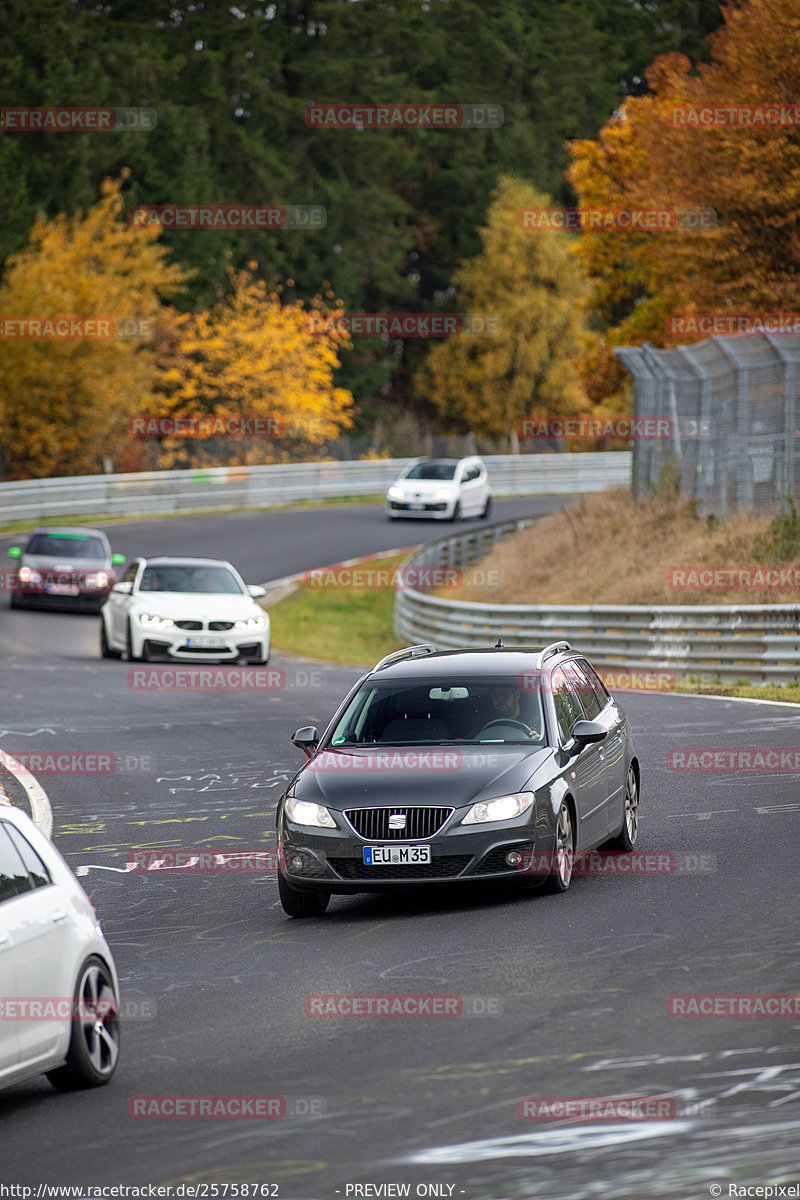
(184, 609)
(59, 992)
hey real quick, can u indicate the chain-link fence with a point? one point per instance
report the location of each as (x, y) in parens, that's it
(730, 413)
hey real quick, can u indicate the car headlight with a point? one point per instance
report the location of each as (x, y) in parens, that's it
(396, 493)
(26, 575)
(305, 812)
(97, 579)
(502, 808)
(249, 623)
(154, 621)
(443, 494)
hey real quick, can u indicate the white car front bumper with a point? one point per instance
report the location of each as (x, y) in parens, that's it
(179, 645)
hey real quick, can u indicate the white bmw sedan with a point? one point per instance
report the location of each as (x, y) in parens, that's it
(184, 609)
(59, 992)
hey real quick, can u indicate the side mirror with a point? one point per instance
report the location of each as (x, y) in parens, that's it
(586, 732)
(117, 560)
(125, 588)
(306, 739)
(15, 552)
(256, 591)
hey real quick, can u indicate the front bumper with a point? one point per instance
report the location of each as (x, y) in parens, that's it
(87, 599)
(440, 510)
(175, 648)
(330, 862)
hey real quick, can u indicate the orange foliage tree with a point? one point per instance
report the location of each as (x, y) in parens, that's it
(657, 153)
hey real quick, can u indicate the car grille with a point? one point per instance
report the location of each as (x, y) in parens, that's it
(219, 652)
(447, 866)
(373, 823)
(410, 507)
(219, 625)
(189, 624)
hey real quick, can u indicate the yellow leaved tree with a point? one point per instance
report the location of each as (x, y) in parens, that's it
(78, 308)
(252, 356)
(530, 281)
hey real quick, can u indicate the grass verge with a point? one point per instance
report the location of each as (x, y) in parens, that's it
(788, 693)
(611, 549)
(352, 626)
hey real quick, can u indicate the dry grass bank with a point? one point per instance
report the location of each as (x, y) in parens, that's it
(606, 549)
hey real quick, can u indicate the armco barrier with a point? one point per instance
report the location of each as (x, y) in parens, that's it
(760, 644)
(220, 488)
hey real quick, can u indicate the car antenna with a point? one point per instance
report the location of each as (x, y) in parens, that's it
(499, 645)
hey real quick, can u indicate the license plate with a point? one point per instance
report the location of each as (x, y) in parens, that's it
(62, 589)
(376, 856)
(417, 504)
(206, 643)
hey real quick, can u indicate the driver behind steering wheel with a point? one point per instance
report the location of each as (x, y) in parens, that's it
(506, 703)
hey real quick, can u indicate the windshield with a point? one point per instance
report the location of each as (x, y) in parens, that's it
(206, 580)
(450, 711)
(432, 470)
(66, 545)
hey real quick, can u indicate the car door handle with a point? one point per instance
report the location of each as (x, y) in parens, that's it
(58, 914)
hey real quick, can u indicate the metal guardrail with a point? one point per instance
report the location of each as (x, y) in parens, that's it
(219, 488)
(760, 644)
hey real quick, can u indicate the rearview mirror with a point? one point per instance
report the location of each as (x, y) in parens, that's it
(306, 739)
(15, 552)
(256, 591)
(117, 560)
(586, 732)
(125, 587)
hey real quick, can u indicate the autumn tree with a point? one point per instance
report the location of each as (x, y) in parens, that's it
(655, 153)
(252, 355)
(531, 281)
(67, 388)
(230, 83)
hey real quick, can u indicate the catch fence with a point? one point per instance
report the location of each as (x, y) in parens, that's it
(733, 405)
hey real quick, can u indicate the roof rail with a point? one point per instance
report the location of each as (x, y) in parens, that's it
(408, 652)
(549, 651)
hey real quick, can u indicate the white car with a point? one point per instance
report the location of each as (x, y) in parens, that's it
(184, 609)
(445, 489)
(59, 989)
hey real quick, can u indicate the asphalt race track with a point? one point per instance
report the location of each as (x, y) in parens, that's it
(573, 989)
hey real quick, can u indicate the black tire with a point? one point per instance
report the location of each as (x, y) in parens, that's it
(301, 904)
(105, 649)
(487, 509)
(14, 601)
(456, 511)
(626, 838)
(94, 1043)
(560, 875)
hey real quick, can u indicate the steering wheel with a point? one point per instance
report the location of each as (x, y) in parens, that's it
(508, 721)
